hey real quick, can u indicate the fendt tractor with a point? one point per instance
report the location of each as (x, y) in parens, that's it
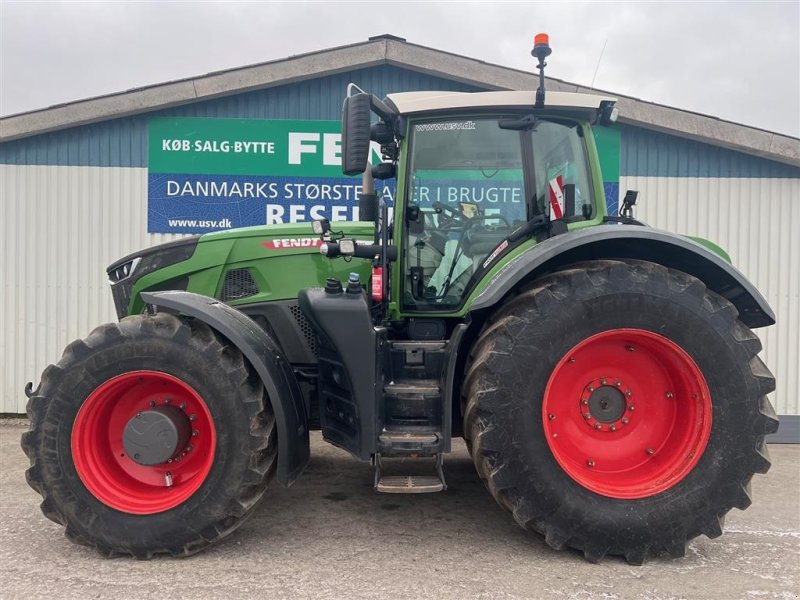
(602, 373)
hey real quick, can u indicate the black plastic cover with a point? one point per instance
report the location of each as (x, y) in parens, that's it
(643, 243)
(348, 368)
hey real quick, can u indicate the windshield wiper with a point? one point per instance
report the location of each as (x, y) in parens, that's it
(519, 124)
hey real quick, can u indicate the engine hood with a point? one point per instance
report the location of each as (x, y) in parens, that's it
(280, 260)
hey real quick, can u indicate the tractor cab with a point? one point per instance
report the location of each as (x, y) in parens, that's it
(483, 173)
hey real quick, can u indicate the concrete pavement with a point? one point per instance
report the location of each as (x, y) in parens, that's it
(332, 536)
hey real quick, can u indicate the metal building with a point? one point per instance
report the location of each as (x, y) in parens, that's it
(74, 189)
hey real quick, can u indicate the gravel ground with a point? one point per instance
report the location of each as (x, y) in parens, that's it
(332, 536)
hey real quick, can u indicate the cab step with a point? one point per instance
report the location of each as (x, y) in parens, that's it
(425, 443)
(409, 484)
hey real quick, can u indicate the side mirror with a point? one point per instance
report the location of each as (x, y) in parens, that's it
(355, 133)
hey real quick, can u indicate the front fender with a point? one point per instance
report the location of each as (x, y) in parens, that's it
(267, 359)
(643, 243)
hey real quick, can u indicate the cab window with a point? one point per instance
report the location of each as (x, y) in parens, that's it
(466, 193)
(559, 160)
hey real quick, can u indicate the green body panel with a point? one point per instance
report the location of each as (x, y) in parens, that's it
(711, 246)
(280, 272)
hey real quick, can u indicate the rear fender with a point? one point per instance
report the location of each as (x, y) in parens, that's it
(642, 243)
(268, 361)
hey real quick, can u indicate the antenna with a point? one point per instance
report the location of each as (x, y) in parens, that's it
(597, 68)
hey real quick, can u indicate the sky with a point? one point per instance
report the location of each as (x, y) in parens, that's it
(738, 61)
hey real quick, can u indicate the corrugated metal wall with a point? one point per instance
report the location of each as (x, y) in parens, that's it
(754, 220)
(70, 224)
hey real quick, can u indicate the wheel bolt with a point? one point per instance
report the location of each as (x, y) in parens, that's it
(618, 384)
(628, 393)
(182, 405)
(624, 420)
(572, 359)
(585, 402)
(598, 426)
(167, 400)
(591, 389)
(590, 463)
(551, 417)
(192, 417)
(177, 459)
(631, 407)
(183, 453)
(630, 348)
(670, 395)
(138, 415)
(195, 433)
(602, 381)
(555, 435)
(169, 460)
(612, 427)
(152, 403)
(587, 415)
(650, 451)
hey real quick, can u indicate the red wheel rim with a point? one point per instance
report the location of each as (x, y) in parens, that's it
(627, 413)
(102, 463)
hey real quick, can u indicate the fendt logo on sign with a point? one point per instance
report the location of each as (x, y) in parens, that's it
(203, 173)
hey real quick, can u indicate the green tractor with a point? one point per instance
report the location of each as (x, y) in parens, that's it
(603, 373)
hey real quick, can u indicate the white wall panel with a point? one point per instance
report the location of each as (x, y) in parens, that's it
(61, 227)
(755, 220)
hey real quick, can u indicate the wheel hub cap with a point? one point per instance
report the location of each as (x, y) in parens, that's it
(607, 404)
(154, 436)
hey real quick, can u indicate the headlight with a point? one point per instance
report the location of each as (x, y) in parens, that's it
(123, 271)
(320, 226)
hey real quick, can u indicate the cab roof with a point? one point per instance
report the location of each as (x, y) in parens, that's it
(408, 103)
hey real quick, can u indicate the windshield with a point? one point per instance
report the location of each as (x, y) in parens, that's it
(467, 192)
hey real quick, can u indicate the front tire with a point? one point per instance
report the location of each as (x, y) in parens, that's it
(86, 434)
(551, 391)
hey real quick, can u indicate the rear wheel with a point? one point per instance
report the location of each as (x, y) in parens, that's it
(150, 436)
(618, 408)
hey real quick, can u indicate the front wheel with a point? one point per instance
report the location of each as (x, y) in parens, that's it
(618, 408)
(151, 436)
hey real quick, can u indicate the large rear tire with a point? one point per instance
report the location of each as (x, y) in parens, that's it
(86, 420)
(618, 408)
